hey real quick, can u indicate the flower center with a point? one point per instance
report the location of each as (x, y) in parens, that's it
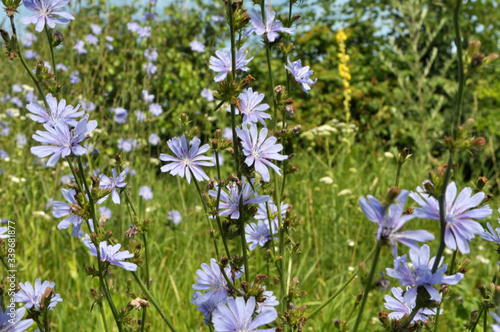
(256, 153)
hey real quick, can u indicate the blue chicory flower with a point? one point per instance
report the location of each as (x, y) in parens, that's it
(133, 27)
(140, 115)
(301, 74)
(105, 212)
(207, 304)
(120, 116)
(3, 154)
(91, 39)
(251, 107)
(187, 160)
(16, 324)
(146, 193)
(155, 109)
(30, 55)
(151, 54)
(401, 308)
(222, 63)
(113, 183)
(420, 274)
(207, 94)
(74, 77)
(229, 204)
(68, 210)
(154, 139)
(80, 47)
(150, 68)
(237, 315)
(28, 39)
(148, 98)
(55, 113)
(96, 29)
(32, 296)
(62, 67)
(197, 46)
(29, 96)
(257, 234)
(260, 150)
(144, 32)
(460, 226)
(495, 327)
(273, 212)
(174, 216)
(211, 279)
(21, 140)
(271, 28)
(127, 144)
(45, 11)
(110, 254)
(60, 141)
(391, 220)
(4, 233)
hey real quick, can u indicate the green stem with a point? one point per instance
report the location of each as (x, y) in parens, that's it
(276, 186)
(206, 210)
(442, 214)
(408, 320)
(242, 236)
(331, 298)
(398, 173)
(40, 326)
(152, 300)
(452, 264)
(485, 320)
(219, 188)
(46, 320)
(75, 175)
(231, 285)
(456, 121)
(145, 238)
(4, 263)
(477, 320)
(103, 315)
(461, 76)
(368, 285)
(127, 197)
(49, 39)
(23, 62)
(233, 73)
(102, 279)
(436, 322)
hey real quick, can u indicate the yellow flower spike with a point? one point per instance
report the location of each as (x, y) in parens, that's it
(343, 69)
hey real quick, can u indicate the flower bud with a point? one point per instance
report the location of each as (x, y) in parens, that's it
(5, 35)
(481, 182)
(279, 90)
(404, 155)
(487, 198)
(59, 38)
